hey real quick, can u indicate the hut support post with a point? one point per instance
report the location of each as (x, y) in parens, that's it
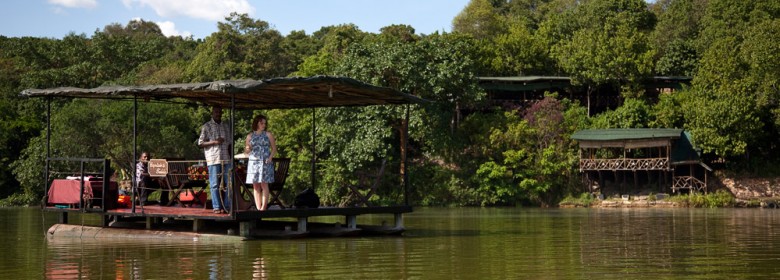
(404, 160)
(232, 190)
(399, 220)
(63, 218)
(133, 182)
(198, 224)
(601, 182)
(302, 223)
(352, 221)
(245, 228)
(588, 181)
(313, 148)
(649, 177)
(48, 151)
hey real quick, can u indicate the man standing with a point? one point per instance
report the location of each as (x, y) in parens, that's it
(216, 140)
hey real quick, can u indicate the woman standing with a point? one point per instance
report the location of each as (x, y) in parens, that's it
(261, 148)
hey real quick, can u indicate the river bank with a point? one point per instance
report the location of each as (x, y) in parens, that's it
(724, 192)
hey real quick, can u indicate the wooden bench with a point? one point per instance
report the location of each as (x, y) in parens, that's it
(180, 179)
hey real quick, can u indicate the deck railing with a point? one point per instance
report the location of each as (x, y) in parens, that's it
(688, 182)
(625, 164)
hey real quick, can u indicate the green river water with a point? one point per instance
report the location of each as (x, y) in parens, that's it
(440, 243)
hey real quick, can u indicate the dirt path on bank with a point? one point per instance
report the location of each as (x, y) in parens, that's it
(751, 188)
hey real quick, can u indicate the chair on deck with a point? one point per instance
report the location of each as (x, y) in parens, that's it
(180, 181)
(281, 168)
(366, 182)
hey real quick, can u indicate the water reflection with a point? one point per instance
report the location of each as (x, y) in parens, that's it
(219, 267)
(466, 243)
(73, 258)
(66, 269)
(258, 269)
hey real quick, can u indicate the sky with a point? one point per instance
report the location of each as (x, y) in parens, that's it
(198, 18)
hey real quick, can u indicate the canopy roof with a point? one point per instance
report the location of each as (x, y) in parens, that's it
(531, 83)
(616, 134)
(683, 149)
(276, 93)
(627, 138)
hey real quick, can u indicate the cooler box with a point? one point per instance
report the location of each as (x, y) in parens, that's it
(188, 197)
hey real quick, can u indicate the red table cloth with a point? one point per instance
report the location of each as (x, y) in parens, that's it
(64, 191)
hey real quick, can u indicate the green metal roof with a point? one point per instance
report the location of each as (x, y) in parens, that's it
(683, 147)
(524, 83)
(524, 79)
(614, 134)
(532, 83)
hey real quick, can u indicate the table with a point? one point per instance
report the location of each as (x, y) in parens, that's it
(64, 191)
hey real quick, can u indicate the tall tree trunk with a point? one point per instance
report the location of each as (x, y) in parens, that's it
(402, 132)
(590, 90)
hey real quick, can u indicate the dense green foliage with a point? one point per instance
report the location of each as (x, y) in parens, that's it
(720, 198)
(461, 151)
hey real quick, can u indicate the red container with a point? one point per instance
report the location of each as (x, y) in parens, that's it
(188, 197)
(123, 201)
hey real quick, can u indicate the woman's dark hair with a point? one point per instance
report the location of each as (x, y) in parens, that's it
(257, 120)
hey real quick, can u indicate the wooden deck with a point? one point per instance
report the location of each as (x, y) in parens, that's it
(246, 223)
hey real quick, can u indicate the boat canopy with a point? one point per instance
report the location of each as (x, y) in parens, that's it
(274, 93)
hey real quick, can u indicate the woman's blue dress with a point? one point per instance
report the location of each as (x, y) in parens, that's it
(258, 171)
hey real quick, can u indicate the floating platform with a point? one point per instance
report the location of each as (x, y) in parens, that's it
(202, 224)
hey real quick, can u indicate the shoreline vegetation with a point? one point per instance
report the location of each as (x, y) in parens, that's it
(708, 67)
(737, 192)
(718, 199)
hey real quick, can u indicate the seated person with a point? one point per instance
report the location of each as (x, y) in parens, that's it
(145, 183)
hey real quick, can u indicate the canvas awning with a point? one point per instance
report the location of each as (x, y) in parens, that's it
(275, 93)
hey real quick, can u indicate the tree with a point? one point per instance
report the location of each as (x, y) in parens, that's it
(518, 52)
(437, 67)
(679, 24)
(669, 112)
(242, 48)
(336, 40)
(168, 69)
(679, 59)
(118, 50)
(605, 42)
(733, 103)
(398, 33)
(480, 19)
(526, 159)
(299, 46)
(634, 113)
(166, 130)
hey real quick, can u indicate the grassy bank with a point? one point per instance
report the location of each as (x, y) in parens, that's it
(720, 198)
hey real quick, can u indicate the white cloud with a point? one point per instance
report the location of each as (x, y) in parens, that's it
(75, 3)
(168, 29)
(214, 10)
